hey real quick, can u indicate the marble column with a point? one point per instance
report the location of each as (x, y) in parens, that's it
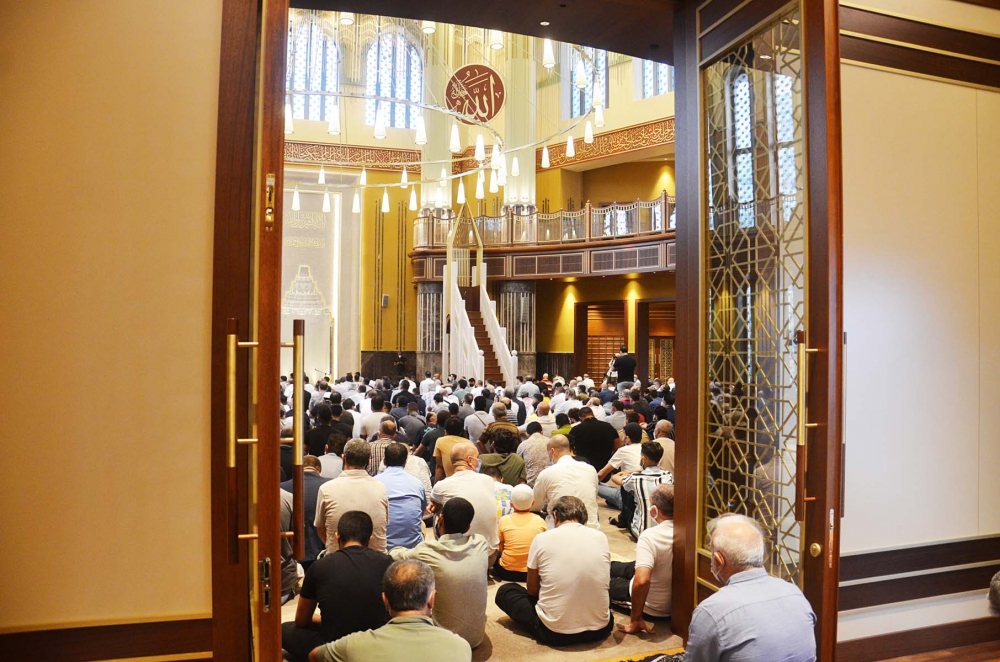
(515, 301)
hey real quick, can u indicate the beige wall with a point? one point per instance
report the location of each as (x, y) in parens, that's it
(921, 267)
(108, 131)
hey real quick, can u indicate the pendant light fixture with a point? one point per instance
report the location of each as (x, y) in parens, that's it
(385, 200)
(403, 180)
(545, 156)
(479, 187)
(496, 40)
(413, 199)
(364, 177)
(598, 117)
(322, 175)
(444, 177)
(456, 142)
(460, 198)
(334, 128)
(480, 154)
(326, 202)
(289, 124)
(379, 126)
(356, 206)
(295, 199)
(548, 54)
(570, 148)
(502, 177)
(514, 169)
(496, 156)
(588, 132)
(428, 27)
(580, 77)
(347, 18)
(421, 137)
(493, 182)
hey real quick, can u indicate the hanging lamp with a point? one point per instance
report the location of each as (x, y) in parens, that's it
(514, 169)
(456, 142)
(570, 148)
(295, 199)
(364, 177)
(580, 78)
(428, 27)
(385, 200)
(326, 202)
(480, 154)
(356, 206)
(548, 54)
(421, 137)
(599, 117)
(444, 177)
(479, 188)
(403, 180)
(496, 40)
(460, 198)
(347, 18)
(493, 182)
(545, 156)
(322, 175)
(588, 132)
(413, 199)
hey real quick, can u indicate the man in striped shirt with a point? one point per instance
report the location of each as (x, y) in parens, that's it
(642, 483)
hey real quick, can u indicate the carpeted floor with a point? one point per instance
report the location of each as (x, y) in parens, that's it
(506, 642)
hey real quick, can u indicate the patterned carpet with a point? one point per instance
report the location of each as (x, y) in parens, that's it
(671, 655)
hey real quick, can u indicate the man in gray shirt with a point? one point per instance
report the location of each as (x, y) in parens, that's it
(753, 616)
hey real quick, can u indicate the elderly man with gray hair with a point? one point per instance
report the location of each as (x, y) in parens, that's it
(408, 593)
(754, 616)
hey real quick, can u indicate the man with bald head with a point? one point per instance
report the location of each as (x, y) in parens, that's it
(754, 616)
(661, 434)
(474, 487)
(566, 477)
(544, 417)
(386, 436)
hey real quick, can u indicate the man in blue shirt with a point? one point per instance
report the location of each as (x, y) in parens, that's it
(753, 616)
(407, 499)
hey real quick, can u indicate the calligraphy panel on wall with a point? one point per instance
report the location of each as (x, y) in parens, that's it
(475, 91)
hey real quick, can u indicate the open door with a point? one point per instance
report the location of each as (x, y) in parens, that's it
(759, 270)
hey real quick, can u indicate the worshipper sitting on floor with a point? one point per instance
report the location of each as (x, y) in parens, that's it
(387, 431)
(311, 482)
(286, 457)
(626, 459)
(444, 445)
(331, 461)
(663, 434)
(569, 570)
(371, 421)
(460, 561)
(472, 486)
(517, 532)
(563, 425)
(544, 418)
(503, 440)
(593, 440)
(566, 477)
(754, 616)
(409, 595)
(636, 488)
(316, 438)
(353, 489)
(407, 499)
(289, 568)
(503, 490)
(644, 584)
(534, 452)
(412, 423)
(346, 585)
(475, 424)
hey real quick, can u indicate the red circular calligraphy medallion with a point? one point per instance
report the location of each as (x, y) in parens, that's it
(475, 91)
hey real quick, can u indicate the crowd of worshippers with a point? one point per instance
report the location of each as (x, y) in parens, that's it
(418, 494)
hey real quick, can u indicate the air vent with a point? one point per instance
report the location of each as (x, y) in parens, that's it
(525, 265)
(602, 261)
(496, 267)
(649, 257)
(672, 256)
(418, 268)
(626, 259)
(572, 264)
(549, 264)
(439, 267)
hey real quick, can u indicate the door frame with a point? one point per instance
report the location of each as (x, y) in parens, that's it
(581, 334)
(642, 334)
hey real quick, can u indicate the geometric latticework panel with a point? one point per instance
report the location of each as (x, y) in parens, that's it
(755, 229)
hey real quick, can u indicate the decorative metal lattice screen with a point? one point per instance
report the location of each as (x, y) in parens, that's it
(756, 274)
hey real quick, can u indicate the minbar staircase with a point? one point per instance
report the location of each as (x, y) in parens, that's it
(490, 363)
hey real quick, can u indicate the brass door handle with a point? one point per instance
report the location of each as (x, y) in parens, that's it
(298, 434)
(232, 503)
(803, 426)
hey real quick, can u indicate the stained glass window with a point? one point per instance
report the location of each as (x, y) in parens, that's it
(393, 70)
(313, 61)
(742, 147)
(597, 80)
(657, 79)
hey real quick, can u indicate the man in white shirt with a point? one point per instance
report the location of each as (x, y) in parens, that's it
(566, 477)
(587, 382)
(572, 401)
(627, 459)
(569, 568)
(474, 487)
(544, 418)
(427, 384)
(529, 389)
(617, 418)
(477, 422)
(558, 396)
(371, 422)
(645, 582)
(598, 409)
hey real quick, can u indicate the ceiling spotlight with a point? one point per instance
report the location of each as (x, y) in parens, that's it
(385, 200)
(456, 142)
(334, 128)
(570, 148)
(545, 156)
(496, 40)
(322, 175)
(326, 202)
(356, 206)
(347, 18)
(428, 27)
(548, 54)
(544, 24)
(296, 206)
(289, 124)
(421, 137)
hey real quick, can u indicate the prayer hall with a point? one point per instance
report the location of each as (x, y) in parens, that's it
(564, 330)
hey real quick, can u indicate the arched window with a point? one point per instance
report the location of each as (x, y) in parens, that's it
(742, 146)
(657, 79)
(580, 101)
(393, 70)
(312, 64)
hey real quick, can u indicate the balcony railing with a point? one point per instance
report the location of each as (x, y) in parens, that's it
(617, 221)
